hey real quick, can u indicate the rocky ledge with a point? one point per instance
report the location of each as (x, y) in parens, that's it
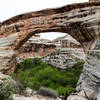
(35, 97)
(65, 58)
(35, 47)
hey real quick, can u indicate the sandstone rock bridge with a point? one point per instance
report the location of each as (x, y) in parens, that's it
(81, 21)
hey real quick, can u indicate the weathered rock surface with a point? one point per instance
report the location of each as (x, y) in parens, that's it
(35, 97)
(7, 60)
(2, 77)
(90, 78)
(66, 58)
(35, 48)
(7, 55)
(81, 21)
(66, 41)
(76, 97)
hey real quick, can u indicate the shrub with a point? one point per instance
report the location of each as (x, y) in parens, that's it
(21, 84)
(47, 92)
(29, 63)
(21, 88)
(79, 64)
(5, 92)
(60, 90)
(9, 87)
(26, 64)
(69, 89)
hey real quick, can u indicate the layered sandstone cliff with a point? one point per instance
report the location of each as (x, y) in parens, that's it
(81, 21)
(66, 58)
(35, 47)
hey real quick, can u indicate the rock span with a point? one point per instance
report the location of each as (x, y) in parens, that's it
(81, 21)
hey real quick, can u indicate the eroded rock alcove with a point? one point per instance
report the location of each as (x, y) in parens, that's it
(81, 21)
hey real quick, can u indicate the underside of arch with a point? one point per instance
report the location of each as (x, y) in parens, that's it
(81, 21)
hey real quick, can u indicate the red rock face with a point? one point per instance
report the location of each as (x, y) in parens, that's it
(35, 50)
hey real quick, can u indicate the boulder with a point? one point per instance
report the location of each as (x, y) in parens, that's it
(76, 97)
(28, 91)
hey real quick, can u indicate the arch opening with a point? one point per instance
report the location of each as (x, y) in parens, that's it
(39, 47)
(78, 20)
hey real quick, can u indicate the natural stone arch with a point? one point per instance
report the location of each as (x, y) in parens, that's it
(81, 21)
(78, 20)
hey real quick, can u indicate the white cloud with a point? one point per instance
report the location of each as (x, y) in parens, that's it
(52, 35)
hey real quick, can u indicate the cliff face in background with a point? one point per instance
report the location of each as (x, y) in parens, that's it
(35, 48)
(81, 21)
(64, 59)
(67, 53)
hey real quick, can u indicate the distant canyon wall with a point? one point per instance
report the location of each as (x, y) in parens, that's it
(64, 59)
(34, 50)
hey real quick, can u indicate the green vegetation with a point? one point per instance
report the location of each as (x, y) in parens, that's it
(34, 73)
(5, 92)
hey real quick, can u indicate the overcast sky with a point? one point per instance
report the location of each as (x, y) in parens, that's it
(10, 8)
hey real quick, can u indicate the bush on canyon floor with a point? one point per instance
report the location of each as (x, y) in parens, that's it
(5, 92)
(29, 63)
(8, 87)
(34, 73)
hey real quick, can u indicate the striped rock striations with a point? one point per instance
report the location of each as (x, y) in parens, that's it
(35, 47)
(81, 21)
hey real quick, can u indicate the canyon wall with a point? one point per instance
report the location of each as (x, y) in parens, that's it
(34, 50)
(64, 59)
(81, 21)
